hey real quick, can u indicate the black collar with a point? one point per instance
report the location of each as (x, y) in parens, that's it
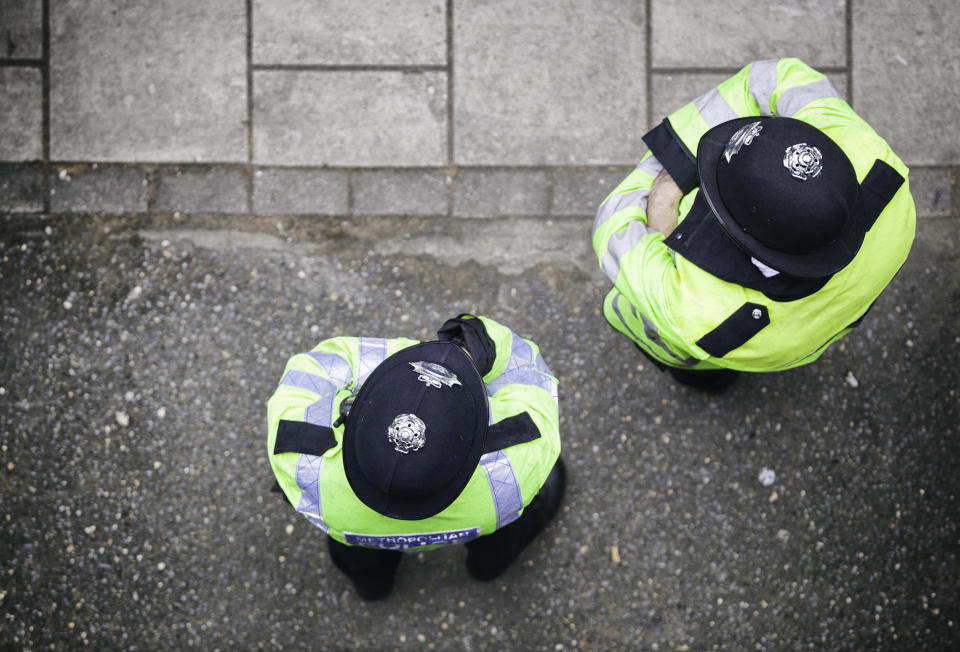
(700, 239)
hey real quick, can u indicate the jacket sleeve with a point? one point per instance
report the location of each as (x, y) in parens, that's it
(771, 87)
(520, 381)
(313, 386)
(621, 220)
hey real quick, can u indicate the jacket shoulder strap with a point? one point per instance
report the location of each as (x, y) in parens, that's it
(303, 437)
(748, 320)
(518, 429)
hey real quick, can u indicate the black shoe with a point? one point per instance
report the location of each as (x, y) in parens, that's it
(712, 381)
(372, 587)
(489, 556)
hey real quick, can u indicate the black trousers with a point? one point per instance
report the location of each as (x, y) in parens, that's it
(709, 380)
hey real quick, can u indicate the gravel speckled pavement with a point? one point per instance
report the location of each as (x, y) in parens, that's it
(191, 193)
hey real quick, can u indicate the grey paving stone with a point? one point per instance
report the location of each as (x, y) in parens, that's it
(300, 192)
(202, 191)
(703, 33)
(672, 90)
(21, 29)
(21, 114)
(932, 191)
(496, 193)
(577, 192)
(548, 82)
(345, 118)
(105, 189)
(21, 188)
(348, 32)
(148, 81)
(907, 76)
(401, 192)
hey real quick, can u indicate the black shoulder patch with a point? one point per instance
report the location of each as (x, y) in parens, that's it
(878, 188)
(673, 155)
(736, 330)
(518, 429)
(303, 437)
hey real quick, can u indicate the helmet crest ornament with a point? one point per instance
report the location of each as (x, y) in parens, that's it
(743, 136)
(434, 375)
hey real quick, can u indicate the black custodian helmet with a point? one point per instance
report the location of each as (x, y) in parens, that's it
(784, 192)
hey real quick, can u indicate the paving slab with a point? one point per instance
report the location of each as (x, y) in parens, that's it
(548, 82)
(348, 118)
(709, 34)
(106, 189)
(148, 81)
(580, 193)
(907, 77)
(933, 191)
(493, 193)
(401, 192)
(21, 188)
(21, 114)
(280, 191)
(21, 29)
(345, 32)
(201, 190)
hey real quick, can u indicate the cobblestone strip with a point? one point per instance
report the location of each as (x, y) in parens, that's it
(477, 192)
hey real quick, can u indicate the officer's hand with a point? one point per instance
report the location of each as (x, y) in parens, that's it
(663, 204)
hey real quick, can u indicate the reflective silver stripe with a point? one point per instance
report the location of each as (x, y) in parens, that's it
(638, 197)
(650, 330)
(650, 165)
(307, 381)
(619, 244)
(503, 486)
(308, 479)
(794, 99)
(373, 351)
(615, 203)
(523, 369)
(714, 109)
(763, 81)
(320, 410)
(334, 366)
(339, 373)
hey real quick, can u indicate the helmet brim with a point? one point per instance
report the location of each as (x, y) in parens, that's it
(823, 262)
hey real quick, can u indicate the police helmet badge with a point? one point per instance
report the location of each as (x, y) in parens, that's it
(743, 136)
(407, 433)
(803, 161)
(434, 375)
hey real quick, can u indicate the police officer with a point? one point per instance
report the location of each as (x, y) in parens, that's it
(761, 226)
(391, 445)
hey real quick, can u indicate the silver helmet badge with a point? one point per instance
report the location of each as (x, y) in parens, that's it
(803, 161)
(407, 433)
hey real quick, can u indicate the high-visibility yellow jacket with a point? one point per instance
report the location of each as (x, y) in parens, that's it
(314, 385)
(733, 316)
